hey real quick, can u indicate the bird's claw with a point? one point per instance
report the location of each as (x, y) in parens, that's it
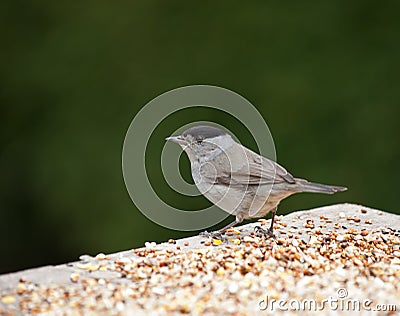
(215, 235)
(261, 231)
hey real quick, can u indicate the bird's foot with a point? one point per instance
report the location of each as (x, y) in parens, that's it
(216, 235)
(261, 231)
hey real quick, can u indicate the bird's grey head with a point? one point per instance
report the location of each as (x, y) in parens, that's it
(203, 140)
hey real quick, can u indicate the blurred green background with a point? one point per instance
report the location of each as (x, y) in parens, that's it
(325, 76)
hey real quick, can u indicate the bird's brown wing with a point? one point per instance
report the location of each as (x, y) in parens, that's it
(269, 169)
(244, 167)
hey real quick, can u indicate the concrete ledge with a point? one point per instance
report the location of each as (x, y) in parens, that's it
(337, 258)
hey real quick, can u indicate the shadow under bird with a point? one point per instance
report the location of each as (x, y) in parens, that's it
(238, 180)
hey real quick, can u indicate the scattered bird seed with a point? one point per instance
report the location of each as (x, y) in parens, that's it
(177, 280)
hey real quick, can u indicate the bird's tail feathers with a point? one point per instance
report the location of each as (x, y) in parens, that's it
(305, 186)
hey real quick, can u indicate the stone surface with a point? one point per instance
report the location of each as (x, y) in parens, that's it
(316, 253)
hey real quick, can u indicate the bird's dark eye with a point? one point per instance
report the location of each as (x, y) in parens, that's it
(199, 139)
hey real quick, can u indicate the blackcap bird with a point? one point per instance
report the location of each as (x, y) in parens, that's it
(238, 180)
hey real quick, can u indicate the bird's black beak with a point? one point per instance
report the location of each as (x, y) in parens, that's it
(175, 139)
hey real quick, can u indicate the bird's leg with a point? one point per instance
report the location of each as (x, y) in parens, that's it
(218, 233)
(230, 225)
(270, 231)
(271, 228)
